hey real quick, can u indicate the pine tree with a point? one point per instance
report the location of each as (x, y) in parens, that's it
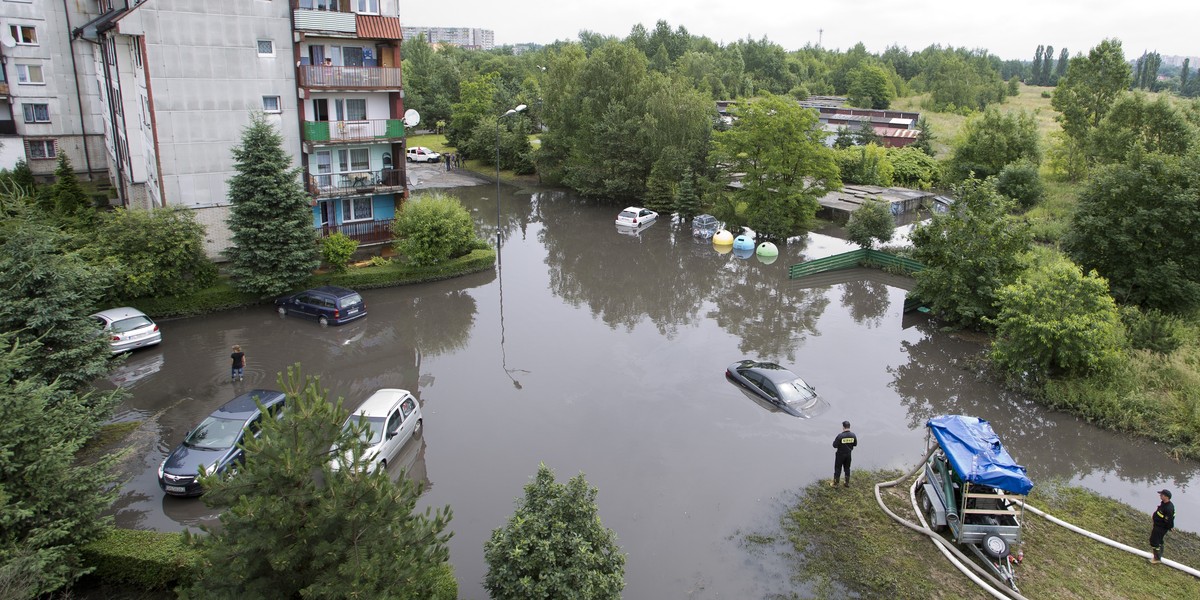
(293, 527)
(925, 136)
(687, 200)
(270, 219)
(70, 199)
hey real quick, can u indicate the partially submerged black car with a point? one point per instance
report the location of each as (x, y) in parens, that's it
(779, 387)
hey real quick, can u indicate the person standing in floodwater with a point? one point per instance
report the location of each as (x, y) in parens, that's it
(844, 443)
(238, 369)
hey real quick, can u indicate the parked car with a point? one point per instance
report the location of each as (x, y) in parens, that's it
(422, 154)
(127, 328)
(706, 226)
(327, 304)
(777, 385)
(215, 443)
(392, 417)
(635, 216)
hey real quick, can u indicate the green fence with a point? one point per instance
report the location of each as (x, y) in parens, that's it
(853, 258)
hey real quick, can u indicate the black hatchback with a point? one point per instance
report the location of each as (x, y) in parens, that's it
(329, 305)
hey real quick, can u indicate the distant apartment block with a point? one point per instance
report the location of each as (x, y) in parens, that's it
(467, 37)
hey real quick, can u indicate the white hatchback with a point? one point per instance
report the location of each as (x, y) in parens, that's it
(636, 216)
(127, 328)
(391, 417)
(422, 154)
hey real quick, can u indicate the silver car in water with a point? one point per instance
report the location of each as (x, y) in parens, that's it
(127, 328)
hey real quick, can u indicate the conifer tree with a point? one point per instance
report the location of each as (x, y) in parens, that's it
(71, 201)
(270, 219)
(687, 200)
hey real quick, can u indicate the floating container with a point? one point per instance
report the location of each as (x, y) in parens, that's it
(743, 242)
(743, 253)
(766, 249)
(722, 238)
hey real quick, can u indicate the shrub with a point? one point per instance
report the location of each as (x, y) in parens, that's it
(433, 228)
(1021, 182)
(914, 168)
(153, 252)
(152, 560)
(866, 165)
(337, 250)
(872, 221)
(1152, 329)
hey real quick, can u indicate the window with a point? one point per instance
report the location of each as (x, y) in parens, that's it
(271, 104)
(42, 149)
(135, 46)
(266, 48)
(356, 209)
(24, 35)
(351, 110)
(36, 113)
(408, 406)
(366, 6)
(354, 159)
(30, 74)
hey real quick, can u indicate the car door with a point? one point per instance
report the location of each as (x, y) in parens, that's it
(303, 304)
(393, 435)
(408, 408)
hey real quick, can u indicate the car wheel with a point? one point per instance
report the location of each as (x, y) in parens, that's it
(323, 320)
(383, 464)
(283, 311)
(417, 428)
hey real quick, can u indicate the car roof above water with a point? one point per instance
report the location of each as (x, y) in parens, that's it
(380, 402)
(116, 314)
(243, 406)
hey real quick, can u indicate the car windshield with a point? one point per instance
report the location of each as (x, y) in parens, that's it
(215, 433)
(796, 392)
(351, 300)
(627, 214)
(130, 324)
(374, 431)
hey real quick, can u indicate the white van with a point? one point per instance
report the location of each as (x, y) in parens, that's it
(422, 154)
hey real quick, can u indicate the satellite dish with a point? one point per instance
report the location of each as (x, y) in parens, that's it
(411, 118)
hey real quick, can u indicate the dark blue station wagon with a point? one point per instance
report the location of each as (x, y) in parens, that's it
(328, 305)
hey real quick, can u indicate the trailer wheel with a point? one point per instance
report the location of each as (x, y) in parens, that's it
(931, 513)
(995, 546)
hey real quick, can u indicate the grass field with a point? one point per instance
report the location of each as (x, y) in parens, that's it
(948, 126)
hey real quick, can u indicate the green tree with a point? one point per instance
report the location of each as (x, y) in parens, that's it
(152, 252)
(554, 546)
(432, 228)
(478, 100)
(865, 165)
(1151, 125)
(992, 140)
(1060, 68)
(1047, 58)
(46, 295)
(687, 199)
(1136, 225)
(292, 526)
(872, 222)
(1056, 321)
(787, 168)
(870, 87)
(337, 250)
(925, 136)
(53, 500)
(270, 218)
(1021, 182)
(1037, 65)
(1091, 85)
(71, 201)
(969, 254)
(913, 168)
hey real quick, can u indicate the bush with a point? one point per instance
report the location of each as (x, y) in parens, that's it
(153, 252)
(1021, 182)
(872, 221)
(1152, 329)
(914, 168)
(152, 560)
(337, 250)
(433, 228)
(865, 165)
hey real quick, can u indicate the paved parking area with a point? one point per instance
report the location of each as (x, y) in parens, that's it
(424, 176)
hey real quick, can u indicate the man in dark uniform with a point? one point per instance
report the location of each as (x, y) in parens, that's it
(1164, 521)
(845, 443)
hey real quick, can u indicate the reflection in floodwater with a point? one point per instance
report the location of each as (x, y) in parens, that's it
(817, 408)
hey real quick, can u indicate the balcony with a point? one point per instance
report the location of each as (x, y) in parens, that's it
(357, 183)
(365, 232)
(321, 77)
(321, 133)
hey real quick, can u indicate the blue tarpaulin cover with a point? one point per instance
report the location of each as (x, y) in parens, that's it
(976, 454)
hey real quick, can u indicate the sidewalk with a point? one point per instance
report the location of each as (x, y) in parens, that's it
(424, 176)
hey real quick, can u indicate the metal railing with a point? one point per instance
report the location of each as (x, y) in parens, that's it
(355, 183)
(321, 76)
(850, 259)
(367, 130)
(366, 232)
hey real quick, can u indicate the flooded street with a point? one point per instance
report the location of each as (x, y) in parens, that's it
(596, 351)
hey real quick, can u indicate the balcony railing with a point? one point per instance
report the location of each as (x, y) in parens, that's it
(369, 130)
(356, 183)
(354, 78)
(366, 232)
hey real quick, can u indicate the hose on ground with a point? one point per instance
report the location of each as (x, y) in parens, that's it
(992, 586)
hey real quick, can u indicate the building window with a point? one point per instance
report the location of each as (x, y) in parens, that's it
(354, 159)
(135, 45)
(24, 35)
(41, 149)
(266, 48)
(36, 113)
(271, 104)
(30, 74)
(367, 6)
(356, 209)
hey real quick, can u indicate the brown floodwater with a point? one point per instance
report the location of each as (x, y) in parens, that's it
(602, 351)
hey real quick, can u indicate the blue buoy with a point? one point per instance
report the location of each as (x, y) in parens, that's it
(743, 242)
(743, 253)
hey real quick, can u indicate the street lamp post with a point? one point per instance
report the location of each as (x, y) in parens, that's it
(511, 111)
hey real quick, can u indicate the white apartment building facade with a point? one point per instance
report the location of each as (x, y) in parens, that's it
(467, 37)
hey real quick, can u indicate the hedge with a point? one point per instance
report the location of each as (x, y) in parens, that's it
(151, 560)
(223, 296)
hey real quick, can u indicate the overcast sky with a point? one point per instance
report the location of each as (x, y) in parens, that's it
(1009, 29)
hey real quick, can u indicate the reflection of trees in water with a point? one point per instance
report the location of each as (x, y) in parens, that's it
(942, 377)
(866, 301)
(770, 317)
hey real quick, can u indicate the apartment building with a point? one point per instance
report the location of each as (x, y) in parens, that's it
(172, 85)
(467, 37)
(48, 103)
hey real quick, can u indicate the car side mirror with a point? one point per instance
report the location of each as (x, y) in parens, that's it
(391, 434)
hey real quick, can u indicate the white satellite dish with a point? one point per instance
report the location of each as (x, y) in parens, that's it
(411, 118)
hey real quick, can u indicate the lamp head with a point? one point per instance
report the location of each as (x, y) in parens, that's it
(519, 108)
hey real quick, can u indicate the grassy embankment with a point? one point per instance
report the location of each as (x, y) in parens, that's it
(845, 543)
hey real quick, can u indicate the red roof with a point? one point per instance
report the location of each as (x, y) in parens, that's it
(377, 27)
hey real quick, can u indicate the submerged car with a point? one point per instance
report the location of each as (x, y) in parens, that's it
(215, 444)
(705, 226)
(636, 216)
(329, 305)
(390, 418)
(776, 385)
(127, 328)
